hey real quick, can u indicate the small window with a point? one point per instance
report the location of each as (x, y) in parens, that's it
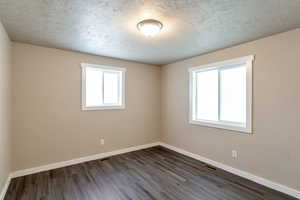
(221, 94)
(102, 87)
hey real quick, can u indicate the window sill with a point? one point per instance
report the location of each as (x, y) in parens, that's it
(222, 125)
(103, 108)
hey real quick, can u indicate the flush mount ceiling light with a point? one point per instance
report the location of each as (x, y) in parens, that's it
(149, 27)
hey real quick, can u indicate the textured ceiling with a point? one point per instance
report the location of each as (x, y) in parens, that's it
(108, 27)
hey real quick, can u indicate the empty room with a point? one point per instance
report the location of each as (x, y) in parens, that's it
(149, 100)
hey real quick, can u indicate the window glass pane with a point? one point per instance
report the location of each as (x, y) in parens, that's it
(93, 87)
(111, 87)
(207, 95)
(233, 94)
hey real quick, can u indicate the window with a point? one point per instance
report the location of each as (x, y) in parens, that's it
(221, 94)
(102, 87)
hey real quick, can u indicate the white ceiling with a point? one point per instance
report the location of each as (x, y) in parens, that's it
(108, 27)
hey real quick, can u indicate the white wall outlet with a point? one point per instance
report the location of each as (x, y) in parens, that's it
(102, 141)
(234, 154)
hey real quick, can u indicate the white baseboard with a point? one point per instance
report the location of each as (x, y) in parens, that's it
(80, 160)
(5, 187)
(244, 174)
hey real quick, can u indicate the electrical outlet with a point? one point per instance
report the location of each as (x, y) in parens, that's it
(102, 141)
(234, 154)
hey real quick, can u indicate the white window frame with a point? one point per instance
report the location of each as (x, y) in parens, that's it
(247, 127)
(105, 69)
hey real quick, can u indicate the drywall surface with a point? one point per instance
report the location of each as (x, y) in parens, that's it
(272, 151)
(49, 125)
(108, 27)
(5, 111)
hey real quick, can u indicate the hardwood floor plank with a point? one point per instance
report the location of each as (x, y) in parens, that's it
(150, 174)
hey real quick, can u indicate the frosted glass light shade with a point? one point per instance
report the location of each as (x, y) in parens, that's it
(149, 27)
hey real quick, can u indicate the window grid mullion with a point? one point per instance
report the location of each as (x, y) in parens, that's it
(219, 95)
(195, 89)
(103, 87)
(119, 88)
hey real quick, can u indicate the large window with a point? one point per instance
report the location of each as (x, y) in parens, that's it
(221, 94)
(102, 87)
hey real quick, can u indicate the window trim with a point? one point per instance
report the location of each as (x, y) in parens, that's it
(248, 60)
(83, 87)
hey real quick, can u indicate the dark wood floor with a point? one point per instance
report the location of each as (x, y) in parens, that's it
(154, 173)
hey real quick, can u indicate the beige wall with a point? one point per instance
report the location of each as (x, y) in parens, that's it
(49, 125)
(273, 149)
(5, 136)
